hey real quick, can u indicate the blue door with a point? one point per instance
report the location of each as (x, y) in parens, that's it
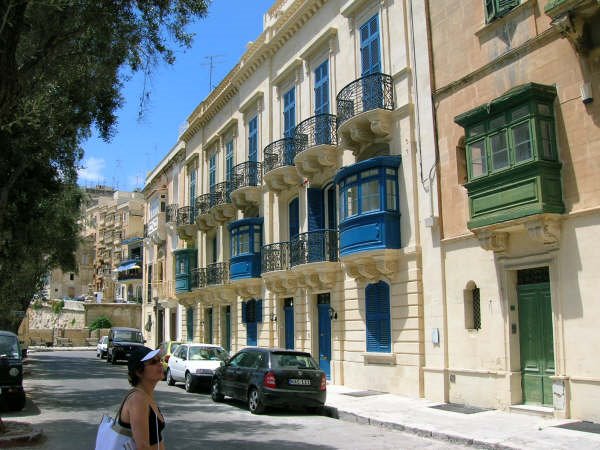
(252, 151)
(288, 308)
(370, 63)
(323, 305)
(209, 325)
(227, 337)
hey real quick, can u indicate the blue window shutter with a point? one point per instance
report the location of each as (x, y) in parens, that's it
(315, 209)
(322, 89)
(243, 312)
(369, 46)
(331, 209)
(253, 139)
(294, 218)
(377, 303)
(289, 113)
(190, 324)
(259, 310)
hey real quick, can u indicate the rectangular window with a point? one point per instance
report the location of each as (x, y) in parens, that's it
(370, 196)
(495, 9)
(244, 239)
(212, 171)
(257, 238)
(391, 194)
(369, 46)
(253, 139)
(478, 159)
(229, 159)
(289, 113)
(351, 201)
(322, 89)
(499, 148)
(522, 142)
(546, 139)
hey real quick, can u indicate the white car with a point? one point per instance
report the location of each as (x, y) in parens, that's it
(194, 364)
(102, 347)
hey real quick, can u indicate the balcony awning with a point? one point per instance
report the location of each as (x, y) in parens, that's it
(128, 266)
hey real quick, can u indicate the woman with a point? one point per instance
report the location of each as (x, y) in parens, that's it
(140, 412)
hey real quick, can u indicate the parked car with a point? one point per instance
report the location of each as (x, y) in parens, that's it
(194, 364)
(102, 347)
(12, 393)
(266, 377)
(166, 350)
(121, 342)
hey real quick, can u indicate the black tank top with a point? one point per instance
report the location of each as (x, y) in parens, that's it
(152, 419)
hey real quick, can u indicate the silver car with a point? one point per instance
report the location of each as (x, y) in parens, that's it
(102, 347)
(194, 364)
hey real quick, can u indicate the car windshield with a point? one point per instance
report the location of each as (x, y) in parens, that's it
(9, 347)
(128, 336)
(174, 347)
(293, 361)
(208, 354)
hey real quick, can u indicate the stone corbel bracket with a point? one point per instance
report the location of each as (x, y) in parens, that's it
(496, 241)
(544, 230)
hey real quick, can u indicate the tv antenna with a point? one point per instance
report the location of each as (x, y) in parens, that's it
(213, 60)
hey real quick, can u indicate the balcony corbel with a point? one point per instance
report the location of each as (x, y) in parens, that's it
(545, 230)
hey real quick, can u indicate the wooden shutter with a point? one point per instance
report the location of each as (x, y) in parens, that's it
(315, 209)
(244, 312)
(294, 219)
(259, 310)
(377, 298)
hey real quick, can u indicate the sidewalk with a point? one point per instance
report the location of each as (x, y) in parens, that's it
(485, 429)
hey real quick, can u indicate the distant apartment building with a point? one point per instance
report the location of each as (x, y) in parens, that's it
(299, 207)
(115, 226)
(517, 100)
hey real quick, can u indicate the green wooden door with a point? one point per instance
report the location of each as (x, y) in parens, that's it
(537, 343)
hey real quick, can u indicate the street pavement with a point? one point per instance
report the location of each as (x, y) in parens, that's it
(68, 391)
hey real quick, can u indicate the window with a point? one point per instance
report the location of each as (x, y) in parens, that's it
(472, 304)
(289, 112)
(322, 89)
(229, 159)
(253, 139)
(189, 324)
(369, 46)
(192, 187)
(212, 171)
(377, 306)
(377, 189)
(495, 9)
(154, 207)
(245, 239)
(516, 136)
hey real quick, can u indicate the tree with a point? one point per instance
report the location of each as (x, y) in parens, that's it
(62, 67)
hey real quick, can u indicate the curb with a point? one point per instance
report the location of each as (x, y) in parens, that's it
(19, 438)
(334, 413)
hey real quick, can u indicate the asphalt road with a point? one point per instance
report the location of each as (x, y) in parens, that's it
(69, 391)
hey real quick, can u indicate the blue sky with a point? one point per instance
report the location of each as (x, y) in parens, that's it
(139, 145)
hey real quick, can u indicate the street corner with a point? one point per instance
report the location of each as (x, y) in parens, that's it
(19, 433)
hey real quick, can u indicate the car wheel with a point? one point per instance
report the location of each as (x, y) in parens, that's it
(255, 404)
(107, 357)
(16, 402)
(102, 354)
(113, 359)
(170, 379)
(97, 354)
(189, 382)
(215, 391)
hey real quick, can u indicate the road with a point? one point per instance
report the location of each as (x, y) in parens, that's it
(69, 391)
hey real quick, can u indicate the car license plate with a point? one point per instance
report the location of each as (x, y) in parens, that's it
(127, 355)
(299, 382)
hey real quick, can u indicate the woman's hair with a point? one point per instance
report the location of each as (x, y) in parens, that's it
(132, 373)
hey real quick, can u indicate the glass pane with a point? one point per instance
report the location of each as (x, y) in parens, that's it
(391, 172)
(497, 122)
(351, 201)
(478, 160)
(546, 139)
(522, 140)
(234, 244)
(519, 112)
(390, 193)
(369, 173)
(544, 109)
(244, 243)
(370, 196)
(477, 129)
(351, 179)
(499, 151)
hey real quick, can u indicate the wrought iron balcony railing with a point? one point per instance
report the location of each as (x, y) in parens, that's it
(314, 246)
(278, 154)
(202, 203)
(217, 273)
(316, 130)
(276, 256)
(185, 215)
(374, 91)
(171, 213)
(198, 278)
(219, 194)
(246, 174)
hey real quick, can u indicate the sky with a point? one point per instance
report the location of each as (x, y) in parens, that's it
(138, 145)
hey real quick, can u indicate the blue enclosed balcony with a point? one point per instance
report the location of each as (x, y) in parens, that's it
(246, 184)
(279, 171)
(185, 263)
(245, 248)
(221, 206)
(315, 142)
(364, 109)
(370, 206)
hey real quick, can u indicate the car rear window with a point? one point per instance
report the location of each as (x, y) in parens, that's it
(9, 347)
(292, 361)
(128, 336)
(207, 354)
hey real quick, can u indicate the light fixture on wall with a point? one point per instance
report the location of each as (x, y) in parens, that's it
(273, 317)
(332, 313)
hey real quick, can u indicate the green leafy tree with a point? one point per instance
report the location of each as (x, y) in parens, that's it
(100, 322)
(62, 67)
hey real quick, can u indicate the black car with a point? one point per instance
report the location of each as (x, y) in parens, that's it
(12, 394)
(121, 342)
(266, 377)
